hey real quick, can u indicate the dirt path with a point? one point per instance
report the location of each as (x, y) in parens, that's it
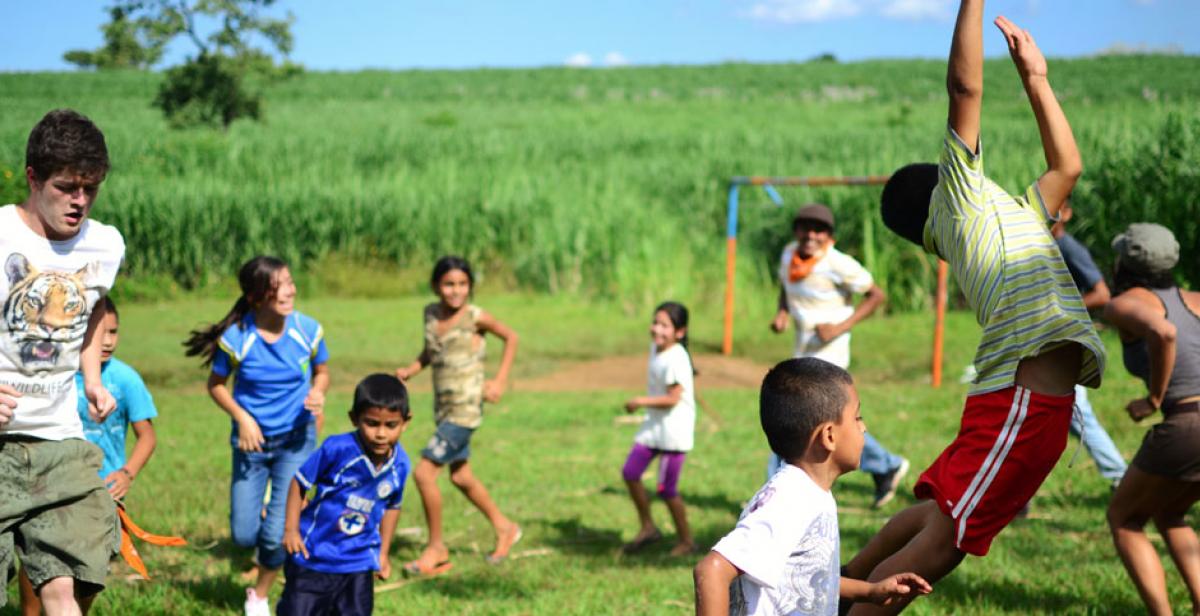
(629, 372)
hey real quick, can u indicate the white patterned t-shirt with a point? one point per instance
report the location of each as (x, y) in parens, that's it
(786, 545)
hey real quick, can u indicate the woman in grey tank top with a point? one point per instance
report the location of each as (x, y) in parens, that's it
(1159, 325)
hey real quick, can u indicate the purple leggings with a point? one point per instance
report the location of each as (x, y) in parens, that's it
(669, 468)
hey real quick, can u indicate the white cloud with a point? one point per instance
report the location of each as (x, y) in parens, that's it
(578, 60)
(916, 10)
(812, 11)
(802, 11)
(615, 58)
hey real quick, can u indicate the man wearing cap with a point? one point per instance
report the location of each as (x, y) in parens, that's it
(817, 283)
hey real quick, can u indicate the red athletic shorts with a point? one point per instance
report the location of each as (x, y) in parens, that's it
(1008, 443)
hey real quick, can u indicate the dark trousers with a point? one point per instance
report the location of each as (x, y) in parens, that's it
(312, 592)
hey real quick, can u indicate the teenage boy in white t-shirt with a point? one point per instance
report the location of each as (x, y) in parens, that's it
(782, 557)
(55, 512)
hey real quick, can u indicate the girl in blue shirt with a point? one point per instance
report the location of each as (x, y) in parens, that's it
(277, 360)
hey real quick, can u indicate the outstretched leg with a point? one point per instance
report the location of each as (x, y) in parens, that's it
(507, 531)
(920, 539)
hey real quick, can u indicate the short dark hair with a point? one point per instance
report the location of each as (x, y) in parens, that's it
(110, 307)
(904, 203)
(383, 391)
(65, 140)
(798, 395)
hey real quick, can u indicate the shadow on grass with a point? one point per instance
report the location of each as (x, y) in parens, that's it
(1017, 597)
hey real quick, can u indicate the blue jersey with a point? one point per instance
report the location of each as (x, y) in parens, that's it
(133, 404)
(340, 525)
(271, 380)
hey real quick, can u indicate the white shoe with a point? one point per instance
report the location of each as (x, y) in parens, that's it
(256, 605)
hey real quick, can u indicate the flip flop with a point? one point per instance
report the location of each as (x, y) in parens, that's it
(496, 560)
(638, 544)
(414, 569)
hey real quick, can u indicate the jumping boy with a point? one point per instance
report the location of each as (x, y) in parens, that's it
(135, 409)
(1038, 341)
(343, 534)
(55, 513)
(782, 558)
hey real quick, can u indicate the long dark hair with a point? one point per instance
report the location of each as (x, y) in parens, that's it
(678, 314)
(256, 279)
(450, 263)
(1125, 278)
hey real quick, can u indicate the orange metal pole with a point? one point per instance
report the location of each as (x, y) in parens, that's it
(939, 323)
(730, 268)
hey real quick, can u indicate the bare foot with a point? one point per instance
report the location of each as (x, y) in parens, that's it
(504, 543)
(683, 549)
(645, 537)
(431, 559)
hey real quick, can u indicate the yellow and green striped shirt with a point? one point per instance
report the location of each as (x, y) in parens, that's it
(1010, 269)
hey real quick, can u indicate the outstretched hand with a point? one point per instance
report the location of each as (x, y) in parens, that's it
(902, 587)
(1025, 53)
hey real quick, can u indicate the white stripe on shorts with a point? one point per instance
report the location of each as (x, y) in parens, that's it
(991, 464)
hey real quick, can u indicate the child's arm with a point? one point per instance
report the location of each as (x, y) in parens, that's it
(1063, 163)
(101, 404)
(872, 299)
(250, 436)
(711, 578)
(674, 395)
(292, 542)
(314, 402)
(964, 73)
(118, 481)
(779, 323)
(387, 528)
(407, 372)
(493, 389)
(900, 588)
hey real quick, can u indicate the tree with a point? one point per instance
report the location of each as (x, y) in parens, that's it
(224, 80)
(123, 47)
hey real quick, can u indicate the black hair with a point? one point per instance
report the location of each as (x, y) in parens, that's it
(65, 140)
(450, 263)
(110, 307)
(798, 395)
(256, 278)
(904, 204)
(1125, 278)
(678, 314)
(383, 391)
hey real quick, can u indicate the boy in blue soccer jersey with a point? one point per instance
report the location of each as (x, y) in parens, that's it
(343, 534)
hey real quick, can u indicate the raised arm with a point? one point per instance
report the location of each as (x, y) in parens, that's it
(964, 73)
(1063, 163)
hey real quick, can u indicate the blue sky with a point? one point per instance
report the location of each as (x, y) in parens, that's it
(356, 34)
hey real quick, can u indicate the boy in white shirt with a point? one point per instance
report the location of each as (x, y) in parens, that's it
(782, 557)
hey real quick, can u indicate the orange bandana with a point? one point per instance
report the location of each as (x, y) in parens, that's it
(129, 552)
(800, 267)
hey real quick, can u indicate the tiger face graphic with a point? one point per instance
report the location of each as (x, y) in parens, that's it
(44, 310)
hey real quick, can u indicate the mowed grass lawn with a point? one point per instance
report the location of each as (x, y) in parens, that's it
(552, 461)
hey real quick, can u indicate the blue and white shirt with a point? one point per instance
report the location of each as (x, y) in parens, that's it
(133, 404)
(340, 525)
(271, 380)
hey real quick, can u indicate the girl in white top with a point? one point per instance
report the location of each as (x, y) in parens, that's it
(668, 429)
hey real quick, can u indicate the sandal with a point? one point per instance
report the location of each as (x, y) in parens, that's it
(414, 568)
(638, 544)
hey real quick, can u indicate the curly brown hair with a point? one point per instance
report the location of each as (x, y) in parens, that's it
(66, 140)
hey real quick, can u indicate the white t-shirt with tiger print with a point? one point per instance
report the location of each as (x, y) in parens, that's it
(48, 289)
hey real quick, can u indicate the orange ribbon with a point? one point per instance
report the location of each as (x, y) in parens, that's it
(129, 552)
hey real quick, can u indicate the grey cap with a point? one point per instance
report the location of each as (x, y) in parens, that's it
(1147, 248)
(815, 212)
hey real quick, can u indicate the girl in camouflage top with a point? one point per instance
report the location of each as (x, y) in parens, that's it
(454, 346)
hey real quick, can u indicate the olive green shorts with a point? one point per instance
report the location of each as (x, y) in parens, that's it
(55, 514)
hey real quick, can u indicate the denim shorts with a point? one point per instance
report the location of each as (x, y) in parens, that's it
(450, 443)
